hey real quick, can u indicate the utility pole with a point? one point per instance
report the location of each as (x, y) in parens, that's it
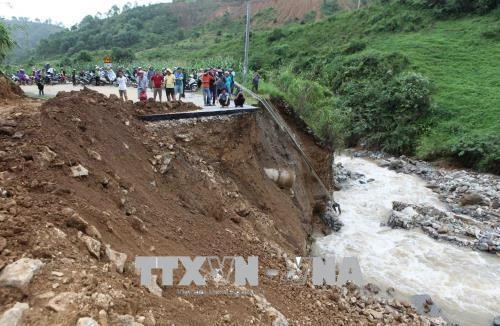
(247, 43)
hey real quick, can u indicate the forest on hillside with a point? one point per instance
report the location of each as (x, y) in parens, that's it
(27, 35)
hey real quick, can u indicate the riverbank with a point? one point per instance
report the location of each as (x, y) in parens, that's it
(460, 280)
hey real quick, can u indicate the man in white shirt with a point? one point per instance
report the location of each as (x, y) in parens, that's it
(122, 85)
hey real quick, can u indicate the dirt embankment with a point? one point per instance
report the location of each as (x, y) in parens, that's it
(9, 90)
(192, 188)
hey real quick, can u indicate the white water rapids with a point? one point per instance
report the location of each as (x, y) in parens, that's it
(463, 282)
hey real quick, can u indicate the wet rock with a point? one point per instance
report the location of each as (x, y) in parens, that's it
(14, 315)
(395, 164)
(496, 321)
(79, 171)
(86, 321)
(19, 273)
(469, 199)
(372, 288)
(118, 259)
(62, 301)
(424, 305)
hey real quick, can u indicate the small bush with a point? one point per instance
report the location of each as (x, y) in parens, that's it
(84, 56)
(354, 47)
(276, 35)
(492, 34)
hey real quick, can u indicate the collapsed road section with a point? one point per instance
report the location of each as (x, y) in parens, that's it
(86, 187)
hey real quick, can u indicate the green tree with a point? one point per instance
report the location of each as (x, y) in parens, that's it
(6, 42)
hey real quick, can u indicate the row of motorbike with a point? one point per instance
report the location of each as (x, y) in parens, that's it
(86, 78)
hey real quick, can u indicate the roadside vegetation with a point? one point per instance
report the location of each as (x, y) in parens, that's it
(414, 77)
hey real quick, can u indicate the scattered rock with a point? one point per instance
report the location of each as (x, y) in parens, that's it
(14, 315)
(153, 287)
(469, 199)
(77, 222)
(138, 224)
(62, 301)
(57, 274)
(46, 295)
(79, 171)
(3, 243)
(96, 156)
(102, 300)
(19, 273)
(117, 258)
(103, 317)
(184, 137)
(92, 231)
(86, 321)
(150, 319)
(226, 318)
(18, 135)
(165, 162)
(375, 314)
(92, 244)
(372, 288)
(47, 155)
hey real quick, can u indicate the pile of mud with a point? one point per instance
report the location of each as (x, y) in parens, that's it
(152, 107)
(86, 187)
(8, 89)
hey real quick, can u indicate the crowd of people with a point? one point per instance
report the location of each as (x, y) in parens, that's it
(217, 85)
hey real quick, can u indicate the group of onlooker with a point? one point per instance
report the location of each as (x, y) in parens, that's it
(216, 84)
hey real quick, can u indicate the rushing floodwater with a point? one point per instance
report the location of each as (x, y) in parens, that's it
(464, 283)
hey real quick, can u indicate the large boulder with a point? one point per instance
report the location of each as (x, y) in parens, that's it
(14, 315)
(19, 273)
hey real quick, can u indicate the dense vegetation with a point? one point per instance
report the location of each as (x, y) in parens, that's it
(26, 35)
(5, 42)
(415, 77)
(409, 77)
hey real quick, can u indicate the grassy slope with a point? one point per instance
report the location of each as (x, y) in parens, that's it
(460, 63)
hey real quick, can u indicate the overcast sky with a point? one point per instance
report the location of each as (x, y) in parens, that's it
(68, 12)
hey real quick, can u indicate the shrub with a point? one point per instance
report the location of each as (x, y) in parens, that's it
(122, 55)
(84, 56)
(354, 47)
(276, 35)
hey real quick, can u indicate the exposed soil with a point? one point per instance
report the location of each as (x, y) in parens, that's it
(152, 107)
(186, 188)
(8, 89)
